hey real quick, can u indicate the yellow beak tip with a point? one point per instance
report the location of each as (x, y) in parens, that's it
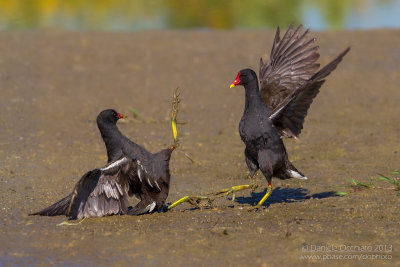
(232, 85)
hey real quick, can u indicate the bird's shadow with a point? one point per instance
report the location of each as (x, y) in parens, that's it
(283, 195)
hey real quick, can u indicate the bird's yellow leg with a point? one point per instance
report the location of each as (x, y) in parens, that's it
(210, 197)
(194, 200)
(233, 190)
(269, 191)
(179, 201)
(70, 224)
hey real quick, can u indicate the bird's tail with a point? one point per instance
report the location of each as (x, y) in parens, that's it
(292, 172)
(58, 208)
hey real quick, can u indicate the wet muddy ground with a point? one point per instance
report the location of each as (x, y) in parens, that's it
(54, 83)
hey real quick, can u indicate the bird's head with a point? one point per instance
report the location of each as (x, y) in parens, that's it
(109, 116)
(243, 77)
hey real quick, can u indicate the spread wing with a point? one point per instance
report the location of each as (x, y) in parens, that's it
(288, 117)
(102, 192)
(99, 192)
(292, 63)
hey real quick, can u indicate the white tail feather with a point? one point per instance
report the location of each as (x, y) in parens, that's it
(297, 175)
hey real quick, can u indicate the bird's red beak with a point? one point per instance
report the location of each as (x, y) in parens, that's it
(121, 116)
(236, 81)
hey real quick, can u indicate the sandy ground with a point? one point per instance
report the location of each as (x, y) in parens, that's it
(54, 83)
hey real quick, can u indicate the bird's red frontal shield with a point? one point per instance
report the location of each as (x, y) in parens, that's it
(236, 81)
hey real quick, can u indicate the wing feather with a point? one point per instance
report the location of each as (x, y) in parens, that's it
(292, 62)
(288, 117)
(102, 191)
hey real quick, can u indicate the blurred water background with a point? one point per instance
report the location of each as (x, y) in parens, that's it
(133, 15)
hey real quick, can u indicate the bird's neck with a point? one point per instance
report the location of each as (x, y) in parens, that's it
(112, 138)
(253, 96)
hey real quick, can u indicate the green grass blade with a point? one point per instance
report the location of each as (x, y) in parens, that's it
(134, 112)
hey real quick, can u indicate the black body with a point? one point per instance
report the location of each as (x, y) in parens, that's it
(131, 170)
(288, 86)
(264, 146)
(151, 177)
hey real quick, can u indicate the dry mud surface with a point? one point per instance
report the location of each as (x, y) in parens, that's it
(54, 83)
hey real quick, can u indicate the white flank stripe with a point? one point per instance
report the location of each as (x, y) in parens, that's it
(149, 182)
(138, 173)
(157, 185)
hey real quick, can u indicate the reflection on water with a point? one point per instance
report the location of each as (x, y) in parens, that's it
(182, 14)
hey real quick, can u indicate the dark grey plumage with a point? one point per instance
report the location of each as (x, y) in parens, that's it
(131, 170)
(288, 86)
(150, 177)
